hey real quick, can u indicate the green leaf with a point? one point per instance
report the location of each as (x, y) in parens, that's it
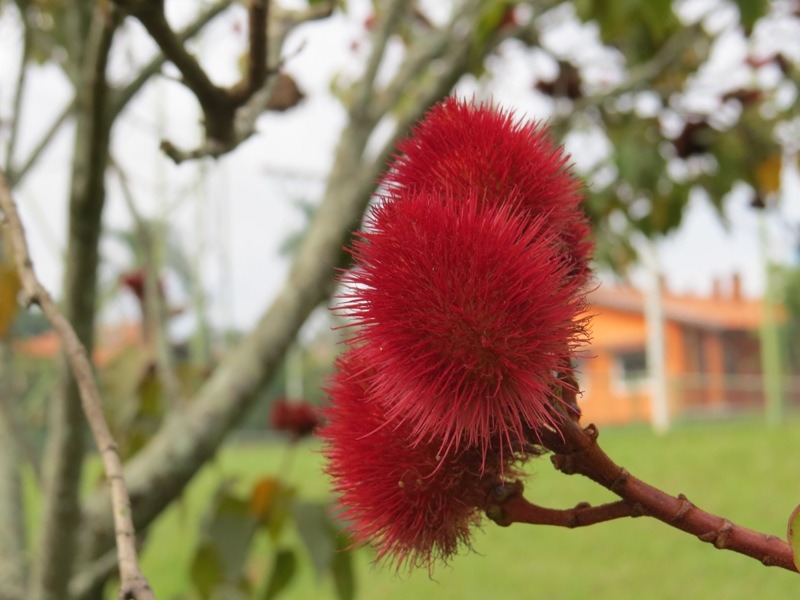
(279, 511)
(317, 533)
(229, 591)
(283, 570)
(793, 533)
(342, 569)
(206, 569)
(224, 545)
(637, 27)
(231, 528)
(750, 11)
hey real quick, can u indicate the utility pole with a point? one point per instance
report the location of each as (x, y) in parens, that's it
(771, 361)
(655, 351)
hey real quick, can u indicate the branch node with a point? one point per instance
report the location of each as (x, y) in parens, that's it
(685, 507)
(638, 510)
(32, 299)
(620, 481)
(565, 463)
(719, 537)
(592, 431)
(501, 493)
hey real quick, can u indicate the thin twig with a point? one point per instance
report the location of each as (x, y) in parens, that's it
(15, 175)
(133, 583)
(386, 27)
(154, 313)
(508, 505)
(16, 103)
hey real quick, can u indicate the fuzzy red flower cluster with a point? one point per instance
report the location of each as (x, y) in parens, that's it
(465, 294)
(298, 418)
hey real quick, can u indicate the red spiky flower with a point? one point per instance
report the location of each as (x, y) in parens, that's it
(411, 505)
(465, 294)
(466, 311)
(464, 146)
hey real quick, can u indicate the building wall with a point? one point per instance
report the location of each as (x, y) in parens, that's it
(708, 370)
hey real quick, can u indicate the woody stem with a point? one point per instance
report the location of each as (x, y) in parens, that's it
(514, 508)
(576, 451)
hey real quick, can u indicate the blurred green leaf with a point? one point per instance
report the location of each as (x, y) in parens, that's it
(283, 570)
(793, 533)
(342, 569)
(750, 11)
(206, 570)
(228, 591)
(279, 511)
(228, 530)
(637, 27)
(231, 528)
(317, 533)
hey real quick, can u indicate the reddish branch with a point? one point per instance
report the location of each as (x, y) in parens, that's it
(510, 506)
(575, 450)
(133, 584)
(578, 452)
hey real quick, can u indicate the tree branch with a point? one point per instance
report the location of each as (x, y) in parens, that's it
(15, 175)
(364, 92)
(580, 453)
(218, 104)
(16, 103)
(154, 315)
(256, 71)
(151, 16)
(133, 583)
(152, 68)
(507, 505)
(281, 23)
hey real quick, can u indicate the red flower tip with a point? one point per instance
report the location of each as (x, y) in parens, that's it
(466, 311)
(461, 147)
(298, 418)
(414, 507)
(134, 281)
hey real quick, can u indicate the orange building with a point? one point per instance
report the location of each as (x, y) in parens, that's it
(111, 341)
(712, 355)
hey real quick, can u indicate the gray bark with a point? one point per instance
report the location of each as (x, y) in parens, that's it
(66, 441)
(13, 565)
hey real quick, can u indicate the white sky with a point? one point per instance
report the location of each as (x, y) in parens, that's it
(243, 210)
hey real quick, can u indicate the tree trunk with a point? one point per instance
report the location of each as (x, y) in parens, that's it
(67, 429)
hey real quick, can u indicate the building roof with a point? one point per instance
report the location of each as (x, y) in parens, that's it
(732, 312)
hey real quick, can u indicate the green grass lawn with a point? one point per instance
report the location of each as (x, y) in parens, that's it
(740, 470)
